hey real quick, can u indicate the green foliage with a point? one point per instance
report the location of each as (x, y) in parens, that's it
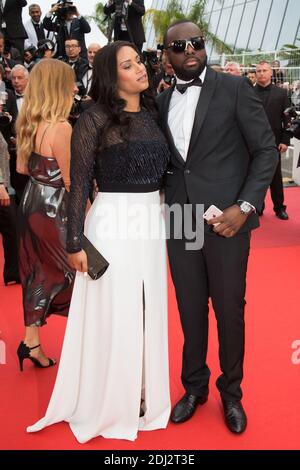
(163, 18)
(98, 17)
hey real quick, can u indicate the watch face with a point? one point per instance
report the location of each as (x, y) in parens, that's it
(246, 208)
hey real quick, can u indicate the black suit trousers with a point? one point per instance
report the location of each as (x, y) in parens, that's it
(276, 188)
(9, 240)
(218, 271)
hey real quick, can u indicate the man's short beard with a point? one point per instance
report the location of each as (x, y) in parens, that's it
(188, 75)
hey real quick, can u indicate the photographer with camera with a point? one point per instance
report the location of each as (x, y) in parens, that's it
(293, 130)
(11, 24)
(45, 50)
(8, 64)
(168, 75)
(67, 23)
(128, 24)
(153, 65)
(79, 64)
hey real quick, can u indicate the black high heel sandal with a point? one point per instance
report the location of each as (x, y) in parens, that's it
(23, 352)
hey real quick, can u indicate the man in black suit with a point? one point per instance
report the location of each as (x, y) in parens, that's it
(223, 153)
(128, 24)
(7, 219)
(275, 101)
(71, 26)
(11, 22)
(78, 64)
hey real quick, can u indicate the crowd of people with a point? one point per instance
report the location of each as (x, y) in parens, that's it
(209, 138)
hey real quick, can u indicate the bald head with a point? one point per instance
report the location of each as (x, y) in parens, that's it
(92, 50)
(190, 59)
(233, 68)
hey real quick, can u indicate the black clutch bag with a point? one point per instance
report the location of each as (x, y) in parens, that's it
(97, 264)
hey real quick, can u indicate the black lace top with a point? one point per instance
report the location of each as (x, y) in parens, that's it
(136, 165)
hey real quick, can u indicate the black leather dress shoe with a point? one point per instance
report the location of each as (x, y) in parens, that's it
(282, 215)
(15, 280)
(186, 407)
(235, 416)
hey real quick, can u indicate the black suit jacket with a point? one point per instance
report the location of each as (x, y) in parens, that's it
(12, 15)
(80, 68)
(79, 27)
(134, 21)
(275, 106)
(232, 153)
(8, 130)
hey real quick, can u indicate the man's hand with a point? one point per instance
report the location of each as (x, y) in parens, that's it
(54, 8)
(8, 72)
(282, 148)
(4, 196)
(229, 222)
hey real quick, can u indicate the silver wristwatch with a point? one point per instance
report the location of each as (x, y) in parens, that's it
(245, 207)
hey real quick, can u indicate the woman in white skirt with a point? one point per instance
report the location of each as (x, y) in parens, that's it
(113, 378)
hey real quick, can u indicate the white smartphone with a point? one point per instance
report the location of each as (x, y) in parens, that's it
(212, 212)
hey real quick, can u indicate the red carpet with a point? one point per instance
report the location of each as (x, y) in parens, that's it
(272, 381)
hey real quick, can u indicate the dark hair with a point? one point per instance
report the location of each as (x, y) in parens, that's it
(73, 39)
(104, 91)
(175, 23)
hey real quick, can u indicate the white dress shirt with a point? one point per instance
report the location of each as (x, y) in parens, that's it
(87, 79)
(20, 100)
(3, 25)
(181, 117)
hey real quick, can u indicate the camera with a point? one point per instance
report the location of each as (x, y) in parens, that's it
(168, 79)
(43, 46)
(150, 57)
(294, 127)
(64, 8)
(4, 119)
(76, 109)
(120, 11)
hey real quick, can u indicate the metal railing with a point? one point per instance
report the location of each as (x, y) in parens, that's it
(289, 61)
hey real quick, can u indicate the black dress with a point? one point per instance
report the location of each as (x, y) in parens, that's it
(47, 278)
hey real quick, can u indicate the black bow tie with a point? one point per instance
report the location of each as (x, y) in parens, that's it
(19, 96)
(182, 87)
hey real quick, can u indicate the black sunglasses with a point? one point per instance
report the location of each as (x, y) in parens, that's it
(181, 45)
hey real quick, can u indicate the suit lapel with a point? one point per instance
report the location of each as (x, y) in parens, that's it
(164, 114)
(206, 95)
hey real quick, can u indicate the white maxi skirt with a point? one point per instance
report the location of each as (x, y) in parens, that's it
(115, 350)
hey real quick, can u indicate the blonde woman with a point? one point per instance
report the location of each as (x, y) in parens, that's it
(43, 142)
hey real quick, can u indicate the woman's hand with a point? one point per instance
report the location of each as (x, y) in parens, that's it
(78, 261)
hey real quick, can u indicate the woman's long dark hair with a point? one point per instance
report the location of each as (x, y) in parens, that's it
(104, 91)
